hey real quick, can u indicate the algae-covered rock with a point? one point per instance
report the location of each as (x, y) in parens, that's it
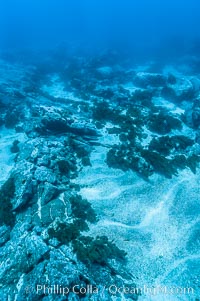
(97, 251)
(160, 164)
(82, 209)
(163, 123)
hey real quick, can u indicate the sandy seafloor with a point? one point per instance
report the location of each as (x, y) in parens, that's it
(156, 222)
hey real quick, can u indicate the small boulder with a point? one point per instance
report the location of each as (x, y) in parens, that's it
(144, 80)
(43, 174)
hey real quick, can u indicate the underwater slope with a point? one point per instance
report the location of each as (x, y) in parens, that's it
(104, 186)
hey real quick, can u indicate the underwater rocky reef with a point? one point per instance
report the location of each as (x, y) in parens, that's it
(99, 179)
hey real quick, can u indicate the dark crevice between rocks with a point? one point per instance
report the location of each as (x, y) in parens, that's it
(7, 193)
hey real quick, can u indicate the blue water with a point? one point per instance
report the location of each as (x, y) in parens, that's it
(145, 27)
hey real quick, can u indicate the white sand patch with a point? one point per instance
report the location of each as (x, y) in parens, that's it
(7, 136)
(57, 89)
(130, 87)
(159, 101)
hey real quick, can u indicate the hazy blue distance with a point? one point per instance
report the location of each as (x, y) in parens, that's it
(138, 25)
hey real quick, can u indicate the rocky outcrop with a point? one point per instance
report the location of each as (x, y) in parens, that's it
(144, 80)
